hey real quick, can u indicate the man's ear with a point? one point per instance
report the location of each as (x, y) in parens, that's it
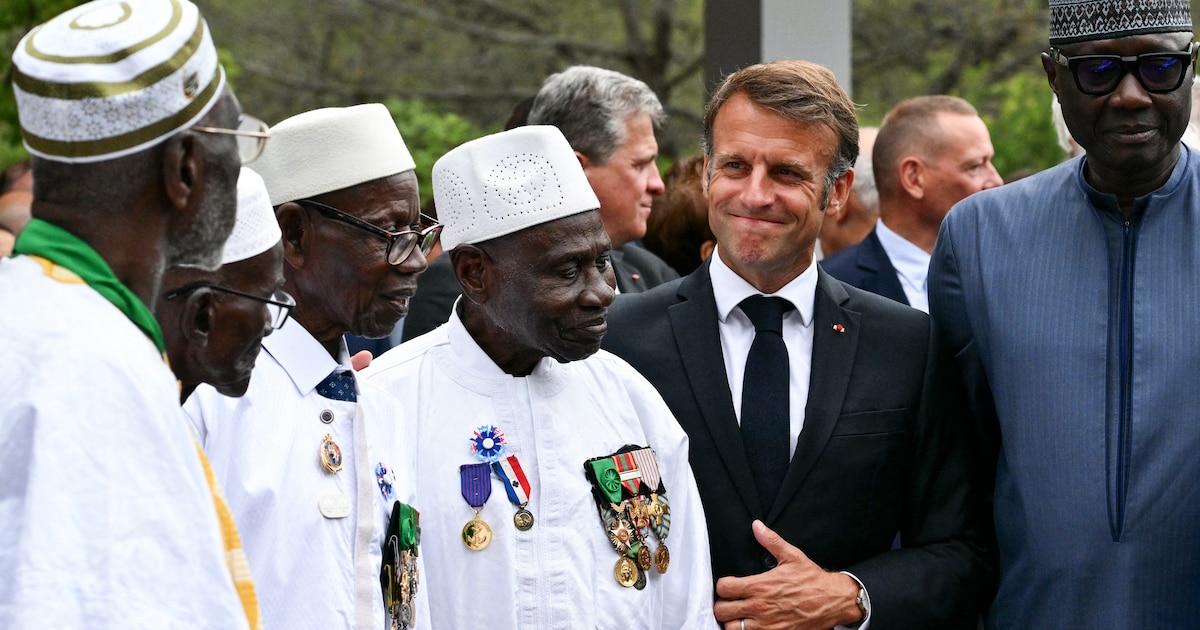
(294, 223)
(197, 320)
(1051, 70)
(183, 168)
(911, 174)
(583, 160)
(473, 272)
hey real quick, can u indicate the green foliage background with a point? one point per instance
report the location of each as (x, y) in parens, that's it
(449, 72)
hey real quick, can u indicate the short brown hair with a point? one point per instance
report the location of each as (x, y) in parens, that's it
(911, 128)
(797, 90)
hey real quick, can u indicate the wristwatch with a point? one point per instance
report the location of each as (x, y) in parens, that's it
(864, 606)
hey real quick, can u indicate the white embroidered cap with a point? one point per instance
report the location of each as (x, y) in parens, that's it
(506, 182)
(330, 149)
(113, 77)
(256, 229)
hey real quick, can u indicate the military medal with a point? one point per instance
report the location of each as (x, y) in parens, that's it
(626, 572)
(331, 454)
(516, 485)
(476, 484)
(398, 576)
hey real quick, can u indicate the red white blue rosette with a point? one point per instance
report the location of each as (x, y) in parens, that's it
(386, 479)
(488, 443)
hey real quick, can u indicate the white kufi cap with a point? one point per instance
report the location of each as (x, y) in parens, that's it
(112, 77)
(506, 182)
(330, 149)
(256, 229)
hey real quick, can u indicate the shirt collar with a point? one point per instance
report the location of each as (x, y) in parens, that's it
(909, 260)
(729, 289)
(550, 376)
(465, 346)
(304, 359)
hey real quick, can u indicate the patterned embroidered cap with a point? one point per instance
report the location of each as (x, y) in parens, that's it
(256, 229)
(1085, 20)
(113, 77)
(506, 182)
(329, 149)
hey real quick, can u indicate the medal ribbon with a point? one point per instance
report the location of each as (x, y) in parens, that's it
(46, 240)
(606, 479)
(647, 463)
(631, 477)
(515, 484)
(476, 484)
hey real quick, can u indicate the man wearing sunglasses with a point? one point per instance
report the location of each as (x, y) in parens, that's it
(312, 460)
(1070, 300)
(213, 322)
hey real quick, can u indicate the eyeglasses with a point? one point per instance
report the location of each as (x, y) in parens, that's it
(251, 133)
(279, 305)
(1097, 75)
(400, 244)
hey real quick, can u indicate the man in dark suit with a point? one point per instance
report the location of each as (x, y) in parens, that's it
(931, 152)
(807, 475)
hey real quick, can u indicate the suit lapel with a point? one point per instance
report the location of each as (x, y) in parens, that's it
(832, 359)
(882, 277)
(629, 278)
(694, 324)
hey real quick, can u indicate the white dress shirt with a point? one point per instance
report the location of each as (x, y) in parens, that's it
(310, 571)
(106, 519)
(559, 574)
(737, 334)
(911, 263)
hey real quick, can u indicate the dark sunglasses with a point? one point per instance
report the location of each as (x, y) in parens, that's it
(400, 244)
(279, 305)
(1097, 75)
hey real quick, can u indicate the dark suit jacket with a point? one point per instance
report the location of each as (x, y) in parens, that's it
(867, 266)
(636, 269)
(879, 453)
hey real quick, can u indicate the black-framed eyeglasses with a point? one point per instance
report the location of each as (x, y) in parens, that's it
(1097, 75)
(400, 244)
(279, 305)
(251, 133)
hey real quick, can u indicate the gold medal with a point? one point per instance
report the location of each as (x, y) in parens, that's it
(331, 454)
(523, 519)
(662, 558)
(643, 557)
(476, 534)
(626, 572)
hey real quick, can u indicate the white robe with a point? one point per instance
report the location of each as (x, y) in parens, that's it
(310, 571)
(559, 574)
(106, 520)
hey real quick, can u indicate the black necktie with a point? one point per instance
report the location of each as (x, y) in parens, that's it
(339, 385)
(765, 409)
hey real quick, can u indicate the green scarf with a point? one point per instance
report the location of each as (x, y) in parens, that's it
(64, 249)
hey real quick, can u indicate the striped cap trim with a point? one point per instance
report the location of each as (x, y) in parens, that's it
(113, 57)
(77, 91)
(129, 142)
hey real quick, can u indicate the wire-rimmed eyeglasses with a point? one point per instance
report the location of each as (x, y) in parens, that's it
(1157, 72)
(400, 244)
(251, 133)
(279, 306)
